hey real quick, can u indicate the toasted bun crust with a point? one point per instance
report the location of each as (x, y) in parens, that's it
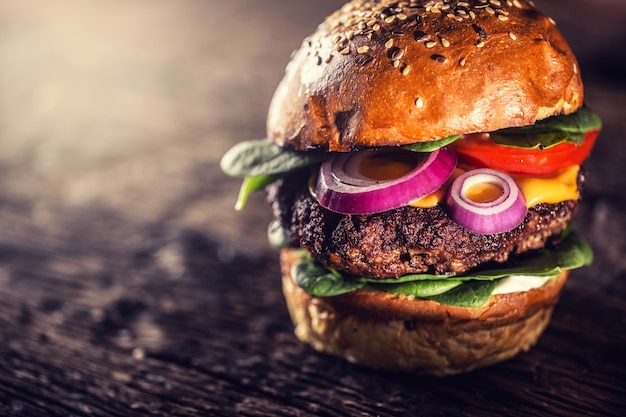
(379, 73)
(400, 333)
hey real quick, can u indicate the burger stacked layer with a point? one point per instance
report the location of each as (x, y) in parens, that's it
(423, 166)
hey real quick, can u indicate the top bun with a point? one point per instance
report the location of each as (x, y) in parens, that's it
(383, 73)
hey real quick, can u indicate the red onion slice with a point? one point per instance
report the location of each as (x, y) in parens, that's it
(497, 215)
(342, 186)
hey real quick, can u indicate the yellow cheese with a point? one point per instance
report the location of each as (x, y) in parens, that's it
(553, 189)
(548, 189)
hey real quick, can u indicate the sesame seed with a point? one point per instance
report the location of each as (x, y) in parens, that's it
(503, 18)
(341, 44)
(402, 16)
(419, 102)
(472, 14)
(517, 4)
(389, 43)
(438, 58)
(445, 42)
(512, 36)
(430, 44)
(390, 19)
(575, 69)
(462, 62)
(490, 10)
(551, 20)
(396, 53)
(345, 51)
(495, 3)
(480, 44)
(418, 35)
(363, 49)
(376, 27)
(406, 70)
(482, 33)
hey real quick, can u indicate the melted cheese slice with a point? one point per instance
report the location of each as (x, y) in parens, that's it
(547, 189)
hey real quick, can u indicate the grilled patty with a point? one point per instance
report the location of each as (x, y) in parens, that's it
(405, 240)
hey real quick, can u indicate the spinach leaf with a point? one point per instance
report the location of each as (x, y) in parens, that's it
(572, 252)
(470, 294)
(409, 278)
(530, 140)
(582, 120)
(430, 146)
(422, 289)
(320, 281)
(250, 185)
(551, 131)
(263, 157)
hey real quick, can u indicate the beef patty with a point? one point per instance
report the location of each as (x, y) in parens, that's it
(405, 240)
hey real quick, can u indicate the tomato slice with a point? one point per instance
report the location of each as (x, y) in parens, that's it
(479, 151)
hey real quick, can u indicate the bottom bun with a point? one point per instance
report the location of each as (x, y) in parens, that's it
(401, 333)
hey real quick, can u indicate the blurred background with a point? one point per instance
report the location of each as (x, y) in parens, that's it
(121, 109)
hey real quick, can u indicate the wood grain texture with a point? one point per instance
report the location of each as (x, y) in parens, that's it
(129, 286)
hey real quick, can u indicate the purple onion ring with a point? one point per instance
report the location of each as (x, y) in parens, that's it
(341, 187)
(504, 213)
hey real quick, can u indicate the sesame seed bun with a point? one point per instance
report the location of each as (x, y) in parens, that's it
(381, 73)
(401, 333)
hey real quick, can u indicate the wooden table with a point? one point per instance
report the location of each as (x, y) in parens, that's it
(129, 286)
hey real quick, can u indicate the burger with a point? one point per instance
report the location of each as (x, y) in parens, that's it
(423, 166)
